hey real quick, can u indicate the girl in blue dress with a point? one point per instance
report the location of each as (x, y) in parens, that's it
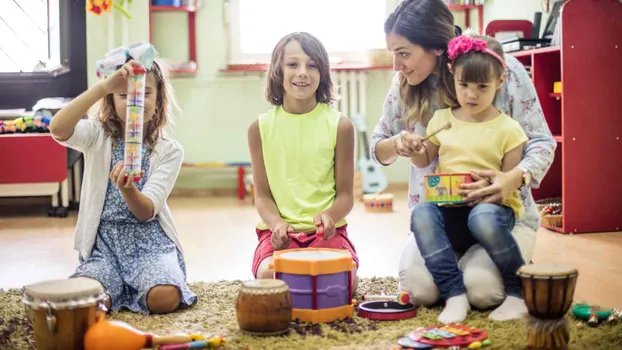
(125, 233)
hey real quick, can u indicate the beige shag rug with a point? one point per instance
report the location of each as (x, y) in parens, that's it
(214, 314)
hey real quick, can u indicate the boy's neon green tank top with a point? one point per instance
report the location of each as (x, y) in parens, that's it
(299, 157)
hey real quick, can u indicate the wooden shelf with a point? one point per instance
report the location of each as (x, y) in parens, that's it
(192, 50)
(591, 151)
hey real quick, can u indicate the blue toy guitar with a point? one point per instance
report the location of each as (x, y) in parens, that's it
(374, 179)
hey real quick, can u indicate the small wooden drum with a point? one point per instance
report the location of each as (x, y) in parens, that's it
(61, 311)
(264, 307)
(548, 292)
(320, 282)
(378, 202)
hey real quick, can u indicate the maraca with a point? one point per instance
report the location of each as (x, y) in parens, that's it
(113, 334)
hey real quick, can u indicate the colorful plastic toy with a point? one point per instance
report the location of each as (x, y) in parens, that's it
(135, 112)
(444, 188)
(445, 336)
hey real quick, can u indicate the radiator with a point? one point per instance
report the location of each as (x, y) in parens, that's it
(351, 88)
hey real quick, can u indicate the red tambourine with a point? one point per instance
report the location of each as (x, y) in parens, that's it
(386, 310)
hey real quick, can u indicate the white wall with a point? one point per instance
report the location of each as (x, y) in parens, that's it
(515, 9)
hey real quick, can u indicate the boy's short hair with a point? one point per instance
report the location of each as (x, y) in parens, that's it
(312, 47)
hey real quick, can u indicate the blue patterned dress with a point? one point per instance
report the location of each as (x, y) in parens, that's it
(130, 257)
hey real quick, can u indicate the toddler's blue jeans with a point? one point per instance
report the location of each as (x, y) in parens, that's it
(440, 232)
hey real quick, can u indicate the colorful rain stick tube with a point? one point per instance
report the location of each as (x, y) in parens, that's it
(134, 117)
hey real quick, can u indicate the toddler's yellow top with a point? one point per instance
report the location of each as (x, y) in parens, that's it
(468, 146)
(299, 157)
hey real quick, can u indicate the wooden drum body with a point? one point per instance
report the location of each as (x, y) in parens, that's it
(320, 282)
(549, 293)
(264, 307)
(548, 290)
(61, 311)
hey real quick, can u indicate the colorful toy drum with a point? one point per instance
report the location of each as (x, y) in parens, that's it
(444, 188)
(548, 292)
(134, 117)
(378, 202)
(320, 282)
(264, 307)
(61, 311)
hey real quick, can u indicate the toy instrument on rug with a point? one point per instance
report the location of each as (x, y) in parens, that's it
(113, 334)
(264, 307)
(444, 188)
(387, 307)
(320, 282)
(449, 336)
(134, 118)
(378, 202)
(548, 292)
(62, 310)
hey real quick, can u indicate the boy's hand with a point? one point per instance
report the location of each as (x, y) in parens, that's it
(326, 224)
(117, 82)
(280, 235)
(121, 178)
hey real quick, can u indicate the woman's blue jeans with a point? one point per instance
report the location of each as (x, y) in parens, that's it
(441, 231)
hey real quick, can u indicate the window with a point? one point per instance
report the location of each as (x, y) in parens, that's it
(347, 28)
(42, 50)
(29, 36)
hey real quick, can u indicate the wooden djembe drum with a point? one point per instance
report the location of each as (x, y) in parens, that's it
(548, 291)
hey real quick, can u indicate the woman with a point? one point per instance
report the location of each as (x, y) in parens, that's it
(417, 33)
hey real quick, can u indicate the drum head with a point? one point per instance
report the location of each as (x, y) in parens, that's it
(63, 289)
(313, 254)
(381, 196)
(547, 270)
(264, 283)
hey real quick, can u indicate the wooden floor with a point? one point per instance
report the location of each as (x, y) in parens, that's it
(219, 239)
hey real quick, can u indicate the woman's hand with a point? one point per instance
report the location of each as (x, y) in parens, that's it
(121, 178)
(490, 186)
(117, 82)
(280, 235)
(324, 222)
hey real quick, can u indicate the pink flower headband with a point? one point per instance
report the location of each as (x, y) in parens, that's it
(463, 44)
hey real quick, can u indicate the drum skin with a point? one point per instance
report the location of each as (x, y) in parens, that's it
(264, 307)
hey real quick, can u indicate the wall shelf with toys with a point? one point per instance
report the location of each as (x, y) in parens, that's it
(189, 67)
(579, 193)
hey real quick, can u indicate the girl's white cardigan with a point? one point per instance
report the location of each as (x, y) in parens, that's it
(89, 138)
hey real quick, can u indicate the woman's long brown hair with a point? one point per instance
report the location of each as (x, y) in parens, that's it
(113, 125)
(430, 24)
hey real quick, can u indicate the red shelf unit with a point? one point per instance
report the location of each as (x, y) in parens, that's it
(191, 66)
(583, 117)
(467, 14)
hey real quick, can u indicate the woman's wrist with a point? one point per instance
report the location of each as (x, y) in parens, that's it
(517, 178)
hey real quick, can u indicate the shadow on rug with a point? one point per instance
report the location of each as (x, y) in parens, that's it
(214, 314)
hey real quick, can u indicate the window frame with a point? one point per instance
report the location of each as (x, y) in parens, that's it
(24, 89)
(232, 24)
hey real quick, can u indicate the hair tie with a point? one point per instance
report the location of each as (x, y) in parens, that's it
(462, 44)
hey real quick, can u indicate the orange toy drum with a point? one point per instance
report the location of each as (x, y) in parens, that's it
(61, 311)
(264, 307)
(548, 292)
(320, 282)
(378, 202)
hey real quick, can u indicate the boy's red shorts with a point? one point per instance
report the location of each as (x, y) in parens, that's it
(339, 241)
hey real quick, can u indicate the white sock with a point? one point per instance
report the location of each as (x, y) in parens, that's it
(456, 309)
(512, 308)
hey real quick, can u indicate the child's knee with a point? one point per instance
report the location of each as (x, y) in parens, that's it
(163, 299)
(264, 271)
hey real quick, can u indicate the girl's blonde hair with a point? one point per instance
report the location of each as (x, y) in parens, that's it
(429, 24)
(113, 125)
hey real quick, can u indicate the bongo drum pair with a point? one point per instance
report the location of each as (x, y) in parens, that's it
(61, 311)
(548, 293)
